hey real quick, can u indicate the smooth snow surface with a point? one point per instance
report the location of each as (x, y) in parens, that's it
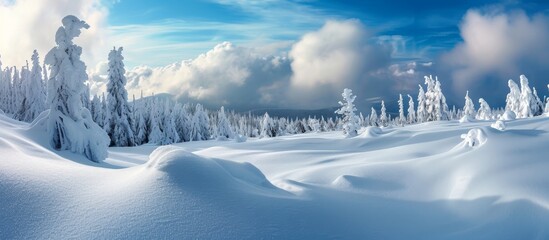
(416, 182)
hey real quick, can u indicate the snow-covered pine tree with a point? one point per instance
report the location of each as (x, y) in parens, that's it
(421, 108)
(182, 122)
(96, 110)
(155, 135)
(267, 127)
(528, 105)
(383, 118)
(347, 110)
(169, 130)
(484, 110)
(141, 129)
(203, 122)
(106, 114)
(512, 102)
(469, 107)
(121, 125)
(411, 118)
(373, 118)
(223, 126)
(36, 94)
(70, 126)
(539, 103)
(547, 103)
(401, 117)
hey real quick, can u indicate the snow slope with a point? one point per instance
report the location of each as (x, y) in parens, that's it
(417, 182)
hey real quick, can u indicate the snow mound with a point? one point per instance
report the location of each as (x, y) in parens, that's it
(362, 183)
(499, 125)
(508, 115)
(371, 132)
(190, 170)
(475, 137)
(240, 138)
(466, 119)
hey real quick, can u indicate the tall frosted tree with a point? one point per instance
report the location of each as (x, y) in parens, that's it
(512, 102)
(401, 117)
(347, 110)
(484, 111)
(373, 118)
(267, 126)
(155, 134)
(421, 109)
(528, 104)
(223, 126)
(35, 100)
(70, 126)
(547, 103)
(469, 107)
(411, 110)
(168, 126)
(120, 122)
(383, 118)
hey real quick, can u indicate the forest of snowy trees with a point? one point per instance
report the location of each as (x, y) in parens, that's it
(89, 124)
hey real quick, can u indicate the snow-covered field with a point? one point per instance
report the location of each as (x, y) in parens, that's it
(417, 182)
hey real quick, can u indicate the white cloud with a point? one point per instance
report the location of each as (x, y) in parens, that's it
(496, 47)
(322, 63)
(226, 75)
(28, 24)
(340, 54)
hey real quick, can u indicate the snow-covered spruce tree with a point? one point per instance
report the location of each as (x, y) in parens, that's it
(168, 126)
(155, 135)
(539, 103)
(267, 127)
(36, 94)
(401, 118)
(347, 110)
(141, 129)
(411, 118)
(182, 122)
(528, 105)
(223, 126)
(373, 118)
(383, 118)
(484, 111)
(547, 103)
(421, 109)
(203, 122)
(70, 126)
(512, 102)
(120, 122)
(7, 94)
(469, 107)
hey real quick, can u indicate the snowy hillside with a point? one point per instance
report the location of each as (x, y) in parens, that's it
(415, 182)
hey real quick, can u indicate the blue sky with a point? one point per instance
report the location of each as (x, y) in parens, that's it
(423, 28)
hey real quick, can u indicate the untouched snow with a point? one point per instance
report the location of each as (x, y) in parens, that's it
(416, 182)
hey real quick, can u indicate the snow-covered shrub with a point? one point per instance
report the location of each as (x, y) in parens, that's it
(469, 107)
(484, 111)
(240, 138)
(474, 138)
(70, 125)
(350, 120)
(499, 125)
(512, 102)
(508, 115)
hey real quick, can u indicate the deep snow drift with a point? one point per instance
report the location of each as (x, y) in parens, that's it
(443, 180)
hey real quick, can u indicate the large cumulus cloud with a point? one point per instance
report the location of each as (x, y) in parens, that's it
(226, 75)
(28, 24)
(498, 46)
(312, 75)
